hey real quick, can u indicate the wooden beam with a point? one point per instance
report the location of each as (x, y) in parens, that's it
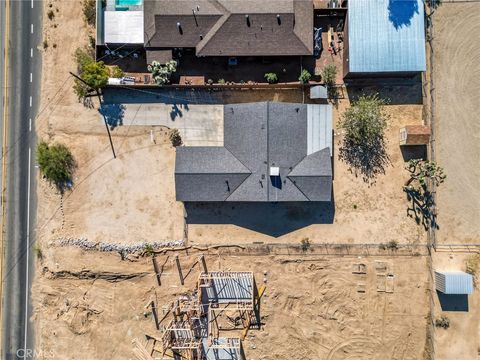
(180, 274)
(157, 271)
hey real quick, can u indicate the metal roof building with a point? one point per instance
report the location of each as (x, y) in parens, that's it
(384, 37)
(272, 152)
(453, 282)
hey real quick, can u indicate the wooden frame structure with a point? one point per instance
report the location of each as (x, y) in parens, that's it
(220, 297)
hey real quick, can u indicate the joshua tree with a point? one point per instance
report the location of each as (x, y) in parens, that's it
(175, 137)
(422, 170)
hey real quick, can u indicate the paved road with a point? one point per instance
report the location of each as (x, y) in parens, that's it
(23, 88)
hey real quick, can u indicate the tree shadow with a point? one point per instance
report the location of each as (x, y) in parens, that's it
(412, 152)
(175, 112)
(113, 114)
(401, 12)
(422, 206)
(365, 160)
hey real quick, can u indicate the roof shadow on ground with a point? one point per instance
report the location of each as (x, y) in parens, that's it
(273, 219)
(453, 302)
(401, 12)
(398, 91)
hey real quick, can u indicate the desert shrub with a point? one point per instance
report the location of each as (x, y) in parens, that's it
(443, 322)
(50, 14)
(271, 77)
(89, 11)
(116, 72)
(363, 145)
(56, 162)
(392, 245)
(45, 44)
(304, 77)
(305, 244)
(38, 251)
(472, 267)
(175, 137)
(91, 41)
(148, 249)
(221, 81)
(82, 58)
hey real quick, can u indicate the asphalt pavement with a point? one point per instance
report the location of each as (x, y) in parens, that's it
(25, 33)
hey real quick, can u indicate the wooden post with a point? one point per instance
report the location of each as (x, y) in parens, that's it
(204, 264)
(157, 272)
(155, 316)
(180, 274)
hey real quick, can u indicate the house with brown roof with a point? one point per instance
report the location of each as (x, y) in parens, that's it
(230, 27)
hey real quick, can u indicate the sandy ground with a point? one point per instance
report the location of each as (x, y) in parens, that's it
(457, 84)
(316, 296)
(461, 340)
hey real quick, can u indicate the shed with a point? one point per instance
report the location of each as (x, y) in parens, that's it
(384, 38)
(454, 282)
(415, 135)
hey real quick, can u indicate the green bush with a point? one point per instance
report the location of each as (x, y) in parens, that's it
(221, 81)
(161, 74)
(304, 77)
(116, 72)
(82, 58)
(56, 162)
(271, 77)
(89, 11)
(95, 74)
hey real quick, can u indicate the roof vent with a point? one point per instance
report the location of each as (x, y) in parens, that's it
(274, 171)
(279, 20)
(179, 27)
(248, 20)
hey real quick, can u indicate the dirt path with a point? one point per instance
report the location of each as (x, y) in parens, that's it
(457, 85)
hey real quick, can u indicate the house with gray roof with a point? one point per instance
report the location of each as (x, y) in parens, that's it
(273, 152)
(230, 27)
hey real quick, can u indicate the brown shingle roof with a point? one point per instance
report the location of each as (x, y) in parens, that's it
(221, 28)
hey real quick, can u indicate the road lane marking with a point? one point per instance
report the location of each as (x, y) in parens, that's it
(30, 124)
(28, 250)
(31, 28)
(31, 52)
(31, 77)
(30, 101)
(32, 4)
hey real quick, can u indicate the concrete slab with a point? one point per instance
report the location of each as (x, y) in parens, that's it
(199, 125)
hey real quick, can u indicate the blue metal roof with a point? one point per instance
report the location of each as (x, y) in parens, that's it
(386, 36)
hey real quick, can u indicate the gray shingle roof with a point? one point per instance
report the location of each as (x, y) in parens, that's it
(257, 136)
(220, 27)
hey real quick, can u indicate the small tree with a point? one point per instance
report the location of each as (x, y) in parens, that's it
(56, 162)
(271, 77)
(304, 77)
(161, 74)
(363, 146)
(175, 137)
(422, 170)
(329, 74)
(89, 11)
(95, 74)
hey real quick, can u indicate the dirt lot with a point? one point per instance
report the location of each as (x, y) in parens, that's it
(461, 340)
(317, 296)
(457, 84)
